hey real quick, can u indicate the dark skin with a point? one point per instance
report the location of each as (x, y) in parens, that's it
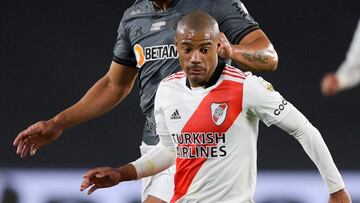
(198, 55)
(255, 52)
(118, 82)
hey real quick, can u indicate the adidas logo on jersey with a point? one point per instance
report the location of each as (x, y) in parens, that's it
(175, 115)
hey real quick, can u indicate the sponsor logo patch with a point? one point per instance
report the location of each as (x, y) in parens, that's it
(157, 26)
(280, 107)
(153, 53)
(266, 84)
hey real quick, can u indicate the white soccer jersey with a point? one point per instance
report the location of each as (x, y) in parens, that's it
(211, 134)
(215, 132)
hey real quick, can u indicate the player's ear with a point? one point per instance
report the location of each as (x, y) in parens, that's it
(218, 42)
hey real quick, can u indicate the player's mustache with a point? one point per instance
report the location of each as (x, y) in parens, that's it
(196, 67)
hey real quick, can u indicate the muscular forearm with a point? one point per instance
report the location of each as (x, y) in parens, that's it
(258, 55)
(99, 99)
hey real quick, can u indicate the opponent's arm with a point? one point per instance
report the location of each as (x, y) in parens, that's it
(254, 52)
(311, 140)
(104, 95)
(100, 98)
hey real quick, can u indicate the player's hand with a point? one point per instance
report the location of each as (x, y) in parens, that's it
(341, 196)
(100, 178)
(36, 136)
(330, 85)
(225, 49)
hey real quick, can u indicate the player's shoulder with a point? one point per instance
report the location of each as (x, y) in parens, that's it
(234, 74)
(255, 83)
(139, 7)
(225, 4)
(225, 1)
(171, 83)
(173, 79)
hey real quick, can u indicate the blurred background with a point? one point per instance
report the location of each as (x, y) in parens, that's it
(51, 52)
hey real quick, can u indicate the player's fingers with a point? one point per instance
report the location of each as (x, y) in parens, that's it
(19, 138)
(91, 173)
(85, 184)
(21, 145)
(33, 149)
(26, 133)
(92, 189)
(26, 149)
(100, 175)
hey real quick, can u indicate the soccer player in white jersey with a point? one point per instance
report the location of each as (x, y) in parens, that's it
(207, 118)
(145, 51)
(348, 74)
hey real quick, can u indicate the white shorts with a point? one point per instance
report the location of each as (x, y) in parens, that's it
(160, 185)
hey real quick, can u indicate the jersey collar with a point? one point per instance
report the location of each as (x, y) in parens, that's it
(171, 5)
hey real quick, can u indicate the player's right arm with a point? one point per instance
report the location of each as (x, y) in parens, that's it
(106, 93)
(158, 159)
(161, 157)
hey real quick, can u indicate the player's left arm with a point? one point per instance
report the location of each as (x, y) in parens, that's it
(254, 52)
(295, 123)
(261, 100)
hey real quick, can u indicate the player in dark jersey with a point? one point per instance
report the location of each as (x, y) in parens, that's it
(145, 50)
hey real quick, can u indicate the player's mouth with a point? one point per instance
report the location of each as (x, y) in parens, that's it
(195, 70)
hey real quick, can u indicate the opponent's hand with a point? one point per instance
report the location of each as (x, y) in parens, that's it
(341, 196)
(225, 49)
(36, 136)
(100, 178)
(330, 85)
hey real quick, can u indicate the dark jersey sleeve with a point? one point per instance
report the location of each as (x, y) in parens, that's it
(123, 52)
(233, 19)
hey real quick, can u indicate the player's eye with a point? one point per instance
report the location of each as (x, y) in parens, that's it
(204, 50)
(187, 50)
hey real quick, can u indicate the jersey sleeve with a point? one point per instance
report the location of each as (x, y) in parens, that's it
(313, 144)
(348, 73)
(161, 128)
(123, 52)
(261, 100)
(234, 19)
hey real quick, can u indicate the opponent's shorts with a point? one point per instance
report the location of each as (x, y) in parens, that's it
(160, 185)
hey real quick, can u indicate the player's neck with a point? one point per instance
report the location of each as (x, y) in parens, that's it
(162, 5)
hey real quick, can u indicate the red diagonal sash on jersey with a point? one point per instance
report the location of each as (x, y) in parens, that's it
(228, 92)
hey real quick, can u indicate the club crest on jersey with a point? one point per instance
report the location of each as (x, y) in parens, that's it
(218, 112)
(154, 53)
